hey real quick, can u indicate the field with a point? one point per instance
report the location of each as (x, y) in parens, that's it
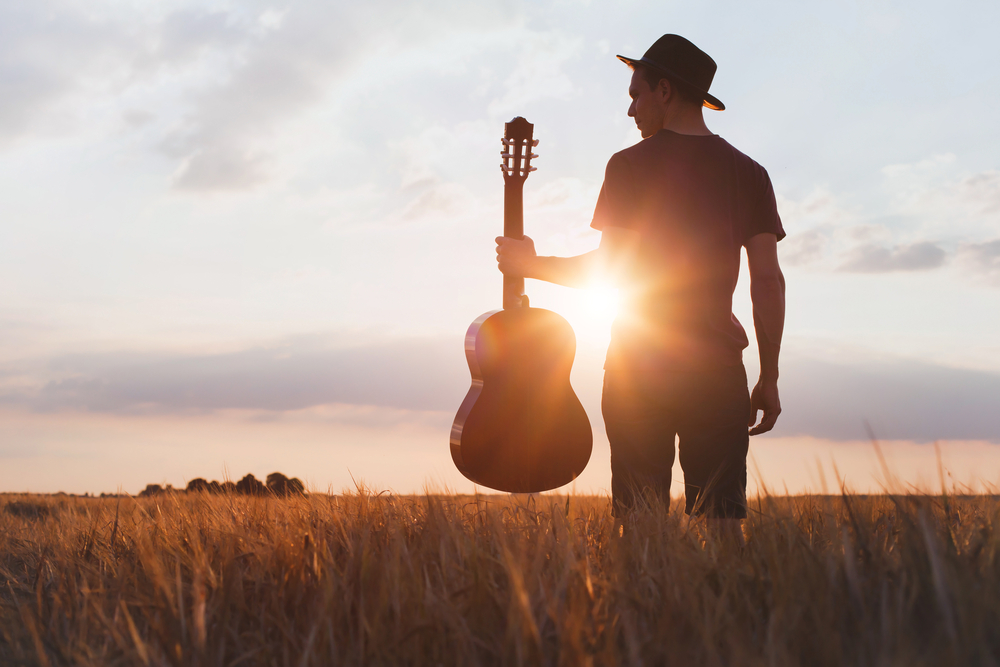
(365, 579)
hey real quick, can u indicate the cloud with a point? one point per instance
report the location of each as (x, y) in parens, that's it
(445, 153)
(45, 53)
(902, 400)
(803, 248)
(223, 80)
(226, 142)
(538, 74)
(981, 191)
(819, 207)
(220, 167)
(411, 374)
(55, 52)
(982, 259)
(441, 201)
(814, 223)
(927, 199)
(873, 258)
(939, 199)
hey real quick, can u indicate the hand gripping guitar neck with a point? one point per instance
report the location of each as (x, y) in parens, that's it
(520, 429)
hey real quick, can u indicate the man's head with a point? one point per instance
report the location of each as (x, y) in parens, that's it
(685, 67)
(656, 96)
(685, 92)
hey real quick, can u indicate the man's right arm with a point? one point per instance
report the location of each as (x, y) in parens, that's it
(767, 291)
(612, 261)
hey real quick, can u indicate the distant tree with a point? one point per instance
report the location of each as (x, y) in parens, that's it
(228, 487)
(150, 490)
(197, 485)
(215, 487)
(250, 486)
(277, 484)
(281, 486)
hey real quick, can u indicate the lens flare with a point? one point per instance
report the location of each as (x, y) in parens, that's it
(601, 303)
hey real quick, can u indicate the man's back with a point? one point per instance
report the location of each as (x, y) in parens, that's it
(694, 201)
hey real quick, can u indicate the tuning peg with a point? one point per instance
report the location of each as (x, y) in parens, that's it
(532, 156)
(512, 142)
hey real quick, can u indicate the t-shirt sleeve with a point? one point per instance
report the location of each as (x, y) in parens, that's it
(765, 218)
(616, 203)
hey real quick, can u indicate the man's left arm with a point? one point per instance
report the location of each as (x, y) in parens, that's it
(767, 291)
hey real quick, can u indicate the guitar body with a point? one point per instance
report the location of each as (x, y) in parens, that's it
(521, 428)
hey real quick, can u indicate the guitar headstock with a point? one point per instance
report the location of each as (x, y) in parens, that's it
(516, 153)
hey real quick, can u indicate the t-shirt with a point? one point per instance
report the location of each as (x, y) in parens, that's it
(694, 201)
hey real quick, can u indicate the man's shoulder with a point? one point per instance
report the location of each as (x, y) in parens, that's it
(744, 161)
(669, 145)
(653, 145)
(638, 156)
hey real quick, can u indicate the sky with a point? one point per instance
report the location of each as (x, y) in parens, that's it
(246, 237)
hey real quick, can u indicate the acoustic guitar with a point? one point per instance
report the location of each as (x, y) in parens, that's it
(521, 428)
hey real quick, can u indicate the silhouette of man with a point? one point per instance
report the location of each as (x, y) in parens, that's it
(674, 212)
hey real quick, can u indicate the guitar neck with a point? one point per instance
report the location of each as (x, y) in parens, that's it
(513, 227)
(516, 166)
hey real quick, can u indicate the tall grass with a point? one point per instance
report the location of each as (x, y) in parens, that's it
(365, 579)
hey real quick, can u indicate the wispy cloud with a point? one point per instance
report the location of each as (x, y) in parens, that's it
(539, 72)
(411, 374)
(872, 258)
(227, 77)
(982, 259)
(803, 248)
(57, 52)
(46, 54)
(288, 65)
(924, 212)
(901, 399)
(904, 399)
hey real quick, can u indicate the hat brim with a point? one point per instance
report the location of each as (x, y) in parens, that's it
(708, 100)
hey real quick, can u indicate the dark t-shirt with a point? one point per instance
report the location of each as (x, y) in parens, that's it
(694, 201)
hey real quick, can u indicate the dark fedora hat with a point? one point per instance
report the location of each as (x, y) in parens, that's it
(682, 61)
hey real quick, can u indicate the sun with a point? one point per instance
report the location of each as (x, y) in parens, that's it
(601, 303)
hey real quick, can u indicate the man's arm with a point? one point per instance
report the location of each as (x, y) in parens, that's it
(611, 260)
(767, 291)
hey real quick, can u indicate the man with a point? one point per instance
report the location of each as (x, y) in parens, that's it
(674, 212)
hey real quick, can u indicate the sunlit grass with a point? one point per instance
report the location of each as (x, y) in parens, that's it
(378, 579)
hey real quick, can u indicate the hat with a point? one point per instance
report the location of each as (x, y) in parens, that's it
(679, 59)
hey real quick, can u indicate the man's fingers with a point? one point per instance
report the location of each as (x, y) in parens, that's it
(766, 423)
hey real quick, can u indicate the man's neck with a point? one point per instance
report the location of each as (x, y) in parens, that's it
(686, 119)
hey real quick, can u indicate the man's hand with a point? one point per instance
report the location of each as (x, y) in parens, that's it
(764, 397)
(515, 257)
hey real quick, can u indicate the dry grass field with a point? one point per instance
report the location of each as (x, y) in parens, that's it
(363, 579)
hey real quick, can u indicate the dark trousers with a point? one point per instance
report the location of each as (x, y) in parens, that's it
(708, 410)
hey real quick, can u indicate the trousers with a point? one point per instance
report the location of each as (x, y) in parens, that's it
(703, 413)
